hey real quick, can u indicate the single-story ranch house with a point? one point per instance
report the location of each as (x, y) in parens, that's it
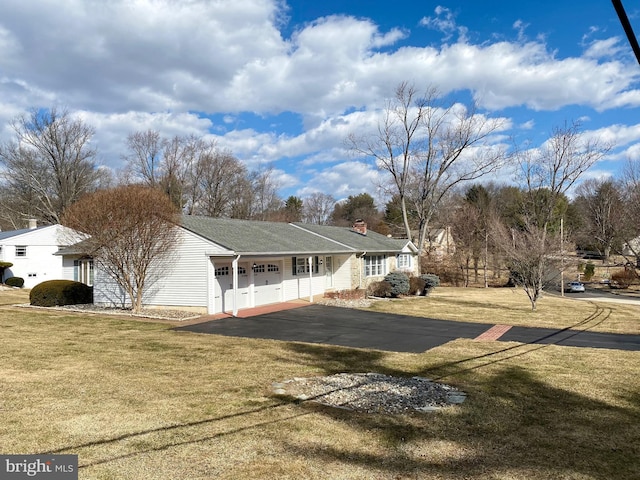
(225, 265)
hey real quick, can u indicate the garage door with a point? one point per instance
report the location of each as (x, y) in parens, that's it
(224, 288)
(268, 283)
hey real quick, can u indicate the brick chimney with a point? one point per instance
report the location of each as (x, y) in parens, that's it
(360, 226)
(33, 224)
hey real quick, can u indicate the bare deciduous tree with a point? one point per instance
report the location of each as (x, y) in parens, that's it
(131, 231)
(48, 165)
(630, 222)
(601, 207)
(317, 208)
(199, 177)
(266, 201)
(547, 173)
(145, 155)
(217, 179)
(428, 147)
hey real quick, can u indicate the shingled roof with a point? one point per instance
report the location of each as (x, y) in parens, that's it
(256, 237)
(372, 242)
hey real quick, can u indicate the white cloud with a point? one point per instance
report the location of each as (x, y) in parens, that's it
(344, 179)
(130, 65)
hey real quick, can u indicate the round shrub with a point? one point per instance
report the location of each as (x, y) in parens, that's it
(399, 283)
(15, 282)
(60, 292)
(416, 286)
(379, 289)
(431, 281)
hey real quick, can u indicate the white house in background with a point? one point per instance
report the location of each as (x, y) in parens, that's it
(31, 250)
(632, 248)
(439, 242)
(225, 265)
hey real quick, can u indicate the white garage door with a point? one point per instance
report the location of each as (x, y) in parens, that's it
(224, 288)
(268, 283)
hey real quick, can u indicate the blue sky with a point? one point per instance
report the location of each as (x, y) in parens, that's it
(281, 84)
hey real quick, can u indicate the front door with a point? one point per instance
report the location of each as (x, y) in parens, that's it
(328, 271)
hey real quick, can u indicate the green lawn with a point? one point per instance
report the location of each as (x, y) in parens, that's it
(136, 400)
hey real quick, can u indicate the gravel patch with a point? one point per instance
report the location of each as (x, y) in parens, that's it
(347, 303)
(158, 314)
(372, 392)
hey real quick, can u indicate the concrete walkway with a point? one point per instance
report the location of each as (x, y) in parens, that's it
(401, 333)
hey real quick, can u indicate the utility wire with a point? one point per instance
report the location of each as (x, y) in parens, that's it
(624, 20)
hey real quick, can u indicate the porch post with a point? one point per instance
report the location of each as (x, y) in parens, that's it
(311, 279)
(234, 268)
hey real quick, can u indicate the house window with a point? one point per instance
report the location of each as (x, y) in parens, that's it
(374, 265)
(259, 268)
(222, 271)
(273, 268)
(242, 271)
(21, 250)
(403, 261)
(83, 271)
(301, 265)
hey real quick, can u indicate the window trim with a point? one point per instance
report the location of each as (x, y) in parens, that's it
(375, 265)
(84, 271)
(407, 257)
(300, 268)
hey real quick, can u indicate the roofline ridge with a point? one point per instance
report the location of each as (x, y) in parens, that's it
(322, 236)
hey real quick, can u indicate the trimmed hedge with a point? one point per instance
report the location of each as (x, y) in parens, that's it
(60, 292)
(15, 282)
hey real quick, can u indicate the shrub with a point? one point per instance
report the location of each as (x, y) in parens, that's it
(589, 271)
(60, 292)
(624, 278)
(399, 283)
(416, 286)
(354, 294)
(15, 282)
(379, 289)
(3, 267)
(431, 281)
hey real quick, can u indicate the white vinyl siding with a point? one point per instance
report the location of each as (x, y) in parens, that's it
(179, 280)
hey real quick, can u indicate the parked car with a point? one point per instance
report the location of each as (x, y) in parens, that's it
(576, 287)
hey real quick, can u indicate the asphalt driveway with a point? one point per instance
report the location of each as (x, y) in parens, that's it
(382, 331)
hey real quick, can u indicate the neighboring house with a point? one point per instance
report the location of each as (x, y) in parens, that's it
(32, 252)
(439, 242)
(225, 265)
(632, 247)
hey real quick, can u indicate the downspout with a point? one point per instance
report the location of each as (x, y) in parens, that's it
(234, 268)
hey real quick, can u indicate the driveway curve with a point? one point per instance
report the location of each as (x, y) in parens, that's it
(348, 327)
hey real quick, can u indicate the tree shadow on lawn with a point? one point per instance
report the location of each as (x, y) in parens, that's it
(511, 424)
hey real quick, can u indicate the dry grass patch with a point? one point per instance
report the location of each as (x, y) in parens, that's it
(510, 306)
(137, 400)
(14, 296)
